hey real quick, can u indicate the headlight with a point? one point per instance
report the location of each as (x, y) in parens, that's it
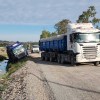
(22, 50)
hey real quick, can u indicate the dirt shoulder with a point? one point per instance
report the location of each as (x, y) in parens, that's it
(28, 83)
(43, 80)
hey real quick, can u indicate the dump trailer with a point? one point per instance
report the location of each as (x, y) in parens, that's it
(80, 44)
(16, 51)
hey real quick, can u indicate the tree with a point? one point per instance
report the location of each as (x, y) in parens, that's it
(45, 34)
(89, 16)
(53, 34)
(61, 26)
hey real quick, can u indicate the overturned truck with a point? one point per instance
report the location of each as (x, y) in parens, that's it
(16, 52)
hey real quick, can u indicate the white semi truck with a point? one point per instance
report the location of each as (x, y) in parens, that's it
(80, 44)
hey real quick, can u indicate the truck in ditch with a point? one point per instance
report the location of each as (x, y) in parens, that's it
(80, 44)
(16, 51)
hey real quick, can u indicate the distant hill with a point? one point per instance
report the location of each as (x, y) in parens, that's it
(3, 43)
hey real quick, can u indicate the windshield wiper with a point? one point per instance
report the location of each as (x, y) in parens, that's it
(93, 41)
(87, 41)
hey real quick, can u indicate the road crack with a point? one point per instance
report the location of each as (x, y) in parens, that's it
(47, 87)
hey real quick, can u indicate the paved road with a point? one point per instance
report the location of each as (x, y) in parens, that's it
(65, 82)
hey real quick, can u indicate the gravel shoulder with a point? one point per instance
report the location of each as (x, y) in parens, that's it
(28, 83)
(40, 80)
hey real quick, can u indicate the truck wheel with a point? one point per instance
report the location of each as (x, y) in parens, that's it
(96, 63)
(72, 60)
(46, 59)
(31, 51)
(58, 59)
(62, 60)
(51, 59)
(42, 58)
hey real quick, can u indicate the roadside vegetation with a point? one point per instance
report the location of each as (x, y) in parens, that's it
(88, 16)
(11, 68)
(3, 54)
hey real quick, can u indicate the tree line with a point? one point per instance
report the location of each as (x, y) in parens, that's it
(88, 16)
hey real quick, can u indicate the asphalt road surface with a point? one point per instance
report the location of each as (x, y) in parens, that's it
(65, 82)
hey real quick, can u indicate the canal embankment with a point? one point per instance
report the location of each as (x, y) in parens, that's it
(8, 71)
(7, 68)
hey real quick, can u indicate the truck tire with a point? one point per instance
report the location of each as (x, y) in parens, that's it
(51, 59)
(46, 58)
(42, 58)
(96, 63)
(58, 59)
(31, 51)
(72, 60)
(62, 59)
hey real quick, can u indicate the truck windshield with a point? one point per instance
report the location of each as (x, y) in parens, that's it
(18, 50)
(35, 46)
(87, 37)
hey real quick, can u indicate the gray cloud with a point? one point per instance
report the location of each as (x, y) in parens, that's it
(42, 11)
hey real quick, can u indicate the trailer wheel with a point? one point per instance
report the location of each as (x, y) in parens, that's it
(42, 58)
(96, 63)
(46, 58)
(31, 51)
(62, 59)
(51, 59)
(72, 60)
(58, 59)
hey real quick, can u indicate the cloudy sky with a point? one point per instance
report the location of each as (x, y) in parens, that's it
(24, 20)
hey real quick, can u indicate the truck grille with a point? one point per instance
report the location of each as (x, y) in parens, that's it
(21, 55)
(90, 52)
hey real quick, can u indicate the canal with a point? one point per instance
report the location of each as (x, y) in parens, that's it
(3, 65)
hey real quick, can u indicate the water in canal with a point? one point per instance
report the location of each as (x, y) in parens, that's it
(3, 65)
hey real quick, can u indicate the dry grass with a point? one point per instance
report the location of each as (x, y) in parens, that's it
(3, 52)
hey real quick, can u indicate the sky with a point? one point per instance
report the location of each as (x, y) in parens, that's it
(24, 20)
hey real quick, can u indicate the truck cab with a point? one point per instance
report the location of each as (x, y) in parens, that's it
(35, 49)
(16, 51)
(84, 41)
